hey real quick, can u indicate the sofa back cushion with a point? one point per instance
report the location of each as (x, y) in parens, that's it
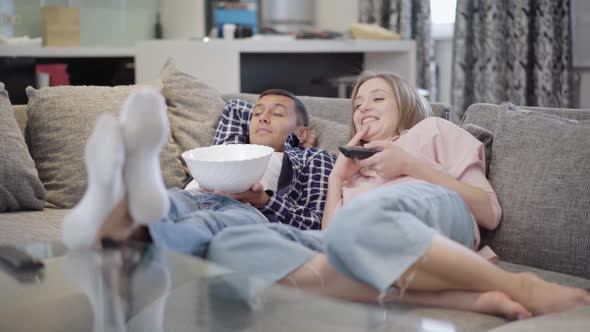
(194, 107)
(60, 120)
(486, 115)
(20, 187)
(330, 117)
(540, 169)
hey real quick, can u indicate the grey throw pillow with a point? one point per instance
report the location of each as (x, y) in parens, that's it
(486, 137)
(540, 169)
(194, 108)
(61, 120)
(20, 187)
(330, 134)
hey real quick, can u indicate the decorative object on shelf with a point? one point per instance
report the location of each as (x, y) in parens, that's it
(61, 26)
(372, 31)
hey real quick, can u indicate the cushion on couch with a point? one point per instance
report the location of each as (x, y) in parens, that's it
(20, 187)
(329, 133)
(486, 115)
(486, 138)
(194, 107)
(60, 120)
(540, 170)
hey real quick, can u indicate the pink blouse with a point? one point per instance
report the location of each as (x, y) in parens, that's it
(447, 148)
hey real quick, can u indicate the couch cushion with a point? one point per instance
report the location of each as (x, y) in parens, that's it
(540, 170)
(22, 228)
(330, 133)
(486, 138)
(486, 115)
(330, 117)
(60, 121)
(194, 108)
(20, 187)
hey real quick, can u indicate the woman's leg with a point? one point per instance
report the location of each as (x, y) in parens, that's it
(281, 254)
(392, 236)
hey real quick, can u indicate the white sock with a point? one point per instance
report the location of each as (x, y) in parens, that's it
(145, 131)
(104, 158)
(86, 269)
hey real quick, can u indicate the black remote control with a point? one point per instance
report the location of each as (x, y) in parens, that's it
(17, 259)
(356, 152)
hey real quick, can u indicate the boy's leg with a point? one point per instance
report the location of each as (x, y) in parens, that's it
(145, 130)
(124, 179)
(104, 158)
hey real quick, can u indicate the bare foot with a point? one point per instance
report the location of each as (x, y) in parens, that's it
(542, 297)
(498, 303)
(118, 225)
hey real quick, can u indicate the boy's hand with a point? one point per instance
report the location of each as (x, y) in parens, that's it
(311, 141)
(255, 196)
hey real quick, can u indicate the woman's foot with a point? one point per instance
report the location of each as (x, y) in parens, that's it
(104, 158)
(542, 297)
(498, 303)
(145, 131)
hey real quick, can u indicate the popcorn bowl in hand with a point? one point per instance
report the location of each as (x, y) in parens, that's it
(231, 168)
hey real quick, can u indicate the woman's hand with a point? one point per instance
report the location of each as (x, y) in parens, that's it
(345, 168)
(391, 162)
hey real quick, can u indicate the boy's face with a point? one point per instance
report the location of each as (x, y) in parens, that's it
(274, 117)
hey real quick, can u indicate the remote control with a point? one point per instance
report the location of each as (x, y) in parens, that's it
(17, 259)
(356, 152)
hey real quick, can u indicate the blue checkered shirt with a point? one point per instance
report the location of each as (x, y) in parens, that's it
(301, 203)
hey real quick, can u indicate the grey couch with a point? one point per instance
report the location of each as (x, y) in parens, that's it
(547, 247)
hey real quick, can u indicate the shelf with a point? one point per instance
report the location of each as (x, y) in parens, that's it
(66, 52)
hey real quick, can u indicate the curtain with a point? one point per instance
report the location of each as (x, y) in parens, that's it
(512, 50)
(411, 19)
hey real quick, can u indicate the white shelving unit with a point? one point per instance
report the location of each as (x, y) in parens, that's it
(217, 62)
(65, 52)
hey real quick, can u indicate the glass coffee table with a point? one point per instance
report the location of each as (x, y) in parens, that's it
(144, 288)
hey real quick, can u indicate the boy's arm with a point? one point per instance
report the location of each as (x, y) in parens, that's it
(233, 126)
(306, 211)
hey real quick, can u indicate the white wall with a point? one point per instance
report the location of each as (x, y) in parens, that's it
(6, 15)
(444, 63)
(336, 15)
(581, 49)
(182, 19)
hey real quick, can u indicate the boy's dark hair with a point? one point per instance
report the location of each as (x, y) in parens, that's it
(302, 115)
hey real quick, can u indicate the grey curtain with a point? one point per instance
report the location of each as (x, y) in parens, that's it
(512, 50)
(411, 19)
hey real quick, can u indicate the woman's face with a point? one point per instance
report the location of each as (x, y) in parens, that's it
(375, 107)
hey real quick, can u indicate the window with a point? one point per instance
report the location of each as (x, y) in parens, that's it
(443, 18)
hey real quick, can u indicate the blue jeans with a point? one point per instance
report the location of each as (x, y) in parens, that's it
(373, 239)
(194, 218)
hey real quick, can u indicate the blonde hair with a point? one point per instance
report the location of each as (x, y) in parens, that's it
(412, 107)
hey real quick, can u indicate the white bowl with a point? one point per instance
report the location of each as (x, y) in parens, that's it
(232, 168)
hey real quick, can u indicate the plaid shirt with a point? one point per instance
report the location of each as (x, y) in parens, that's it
(301, 203)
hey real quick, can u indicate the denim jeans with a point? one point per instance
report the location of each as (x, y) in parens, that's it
(194, 218)
(373, 239)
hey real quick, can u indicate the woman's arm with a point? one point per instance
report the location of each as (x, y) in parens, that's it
(332, 198)
(344, 169)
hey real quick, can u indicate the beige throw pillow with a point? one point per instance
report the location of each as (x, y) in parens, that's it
(60, 121)
(194, 108)
(20, 187)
